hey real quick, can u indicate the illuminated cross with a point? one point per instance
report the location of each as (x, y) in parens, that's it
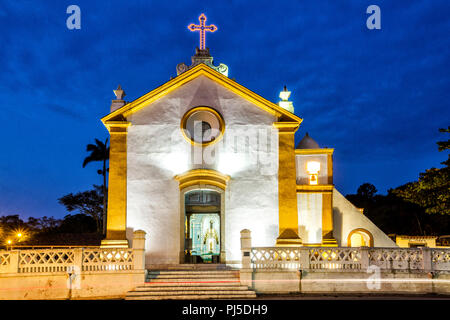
(202, 28)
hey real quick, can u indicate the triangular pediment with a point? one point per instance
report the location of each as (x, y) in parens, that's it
(201, 70)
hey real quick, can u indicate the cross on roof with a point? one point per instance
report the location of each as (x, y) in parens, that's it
(202, 28)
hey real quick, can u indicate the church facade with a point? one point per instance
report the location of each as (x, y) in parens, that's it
(200, 158)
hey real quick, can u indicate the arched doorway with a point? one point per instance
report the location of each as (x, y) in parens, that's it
(202, 226)
(360, 238)
(202, 191)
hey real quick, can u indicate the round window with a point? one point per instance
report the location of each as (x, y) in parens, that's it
(202, 126)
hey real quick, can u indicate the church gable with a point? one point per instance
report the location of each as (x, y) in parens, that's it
(201, 91)
(205, 93)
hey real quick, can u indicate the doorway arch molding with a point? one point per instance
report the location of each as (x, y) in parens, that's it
(202, 177)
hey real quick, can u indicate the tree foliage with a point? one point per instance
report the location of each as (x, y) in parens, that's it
(89, 203)
(394, 215)
(432, 190)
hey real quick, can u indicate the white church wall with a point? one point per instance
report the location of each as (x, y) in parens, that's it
(346, 217)
(300, 164)
(157, 151)
(310, 217)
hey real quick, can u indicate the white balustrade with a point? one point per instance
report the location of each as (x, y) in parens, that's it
(107, 259)
(275, 258)
(345, 258)
(440, 259)
(45, 260)
(86, 259)
(334, 258)
(326, 258)
(397, 258)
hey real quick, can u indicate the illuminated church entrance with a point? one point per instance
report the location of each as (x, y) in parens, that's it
(202, 226)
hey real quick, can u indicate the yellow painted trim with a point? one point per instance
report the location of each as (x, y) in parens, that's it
(117, 187)
(287, 197)
(305, 188)
(202, 176)
(312, 245)
(203, 108)
(121, 126)
(105, 243)
(330, 168)
(314, 151)
(191, 74)
(286, 127)
(329, 242)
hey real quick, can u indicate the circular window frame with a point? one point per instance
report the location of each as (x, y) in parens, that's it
(185, 118)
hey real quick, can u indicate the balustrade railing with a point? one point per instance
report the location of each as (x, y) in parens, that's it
(85, 259)
(440, 259)
(334, 258)
(275, 258)
(397, 258)
(45, 260)
(342, 258)
(107, 259)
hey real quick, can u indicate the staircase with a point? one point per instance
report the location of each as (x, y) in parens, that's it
(191, 282)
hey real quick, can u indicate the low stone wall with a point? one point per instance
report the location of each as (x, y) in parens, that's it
(344, 269)
(285, 282)
(56, 285)
(72, 273)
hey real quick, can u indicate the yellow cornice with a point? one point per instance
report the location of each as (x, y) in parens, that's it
(191, 74)
(307, 188)
(315, 151)
(286, 127)
(117, 126)
(202, 176)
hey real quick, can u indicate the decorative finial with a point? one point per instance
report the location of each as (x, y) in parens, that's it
(202, 28)
(285, 103)
(119, 93)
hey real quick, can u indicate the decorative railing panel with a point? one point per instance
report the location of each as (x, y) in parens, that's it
(399, 259)
(440, 259)
(76, 259)
(5, 260)
(327, 258)
(45, 260)
(335, 258)
(274, 258)
(107, 259)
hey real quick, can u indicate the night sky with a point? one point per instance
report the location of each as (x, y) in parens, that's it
(377, 96)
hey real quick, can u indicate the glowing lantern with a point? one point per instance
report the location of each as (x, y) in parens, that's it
(313, 168)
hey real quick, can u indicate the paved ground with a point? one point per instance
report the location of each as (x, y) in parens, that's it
(353, 297)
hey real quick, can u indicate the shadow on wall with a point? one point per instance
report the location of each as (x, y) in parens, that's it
(337, 226)
(129, 235)
(303, 233)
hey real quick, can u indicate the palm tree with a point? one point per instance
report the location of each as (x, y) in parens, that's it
(100, 152)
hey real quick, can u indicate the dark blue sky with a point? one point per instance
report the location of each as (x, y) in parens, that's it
(377, 96)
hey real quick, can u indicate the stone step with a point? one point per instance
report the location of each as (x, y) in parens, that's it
(189, 288)
(187, 292)
(191, 297)
(194, 272)
(187, 281)
(189, 267)
(191, 284)
(193, 276)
